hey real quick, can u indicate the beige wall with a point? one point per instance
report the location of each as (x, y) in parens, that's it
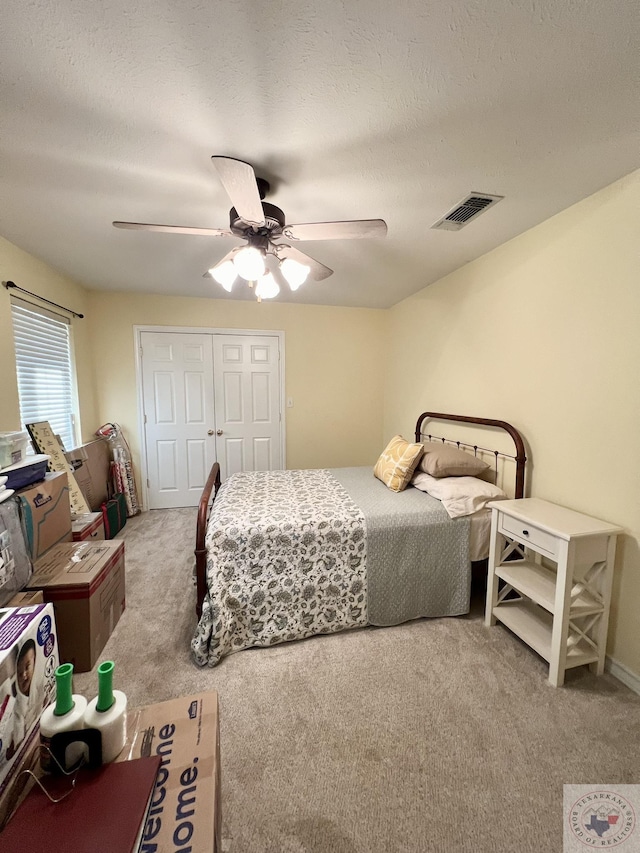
(334, 360)
(543, 332)
(31, 274)
(333, 366)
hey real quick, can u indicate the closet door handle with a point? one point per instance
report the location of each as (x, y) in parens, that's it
(218, 432)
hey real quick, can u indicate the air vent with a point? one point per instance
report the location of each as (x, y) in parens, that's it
(466, 210)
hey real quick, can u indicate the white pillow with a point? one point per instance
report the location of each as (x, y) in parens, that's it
(459, 495)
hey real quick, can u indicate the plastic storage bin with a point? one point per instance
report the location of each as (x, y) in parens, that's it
(13, 447)
(24, 474)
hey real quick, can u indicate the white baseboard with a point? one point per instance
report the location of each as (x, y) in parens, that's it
(623, 674)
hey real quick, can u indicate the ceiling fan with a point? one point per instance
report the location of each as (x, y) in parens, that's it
(268, 260)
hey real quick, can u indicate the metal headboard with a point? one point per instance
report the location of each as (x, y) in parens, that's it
(519, 457)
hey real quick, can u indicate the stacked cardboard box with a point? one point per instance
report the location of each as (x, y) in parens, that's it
(46, 511)
(27, 598)
(90, 463)
(86, 583)
(89, 525)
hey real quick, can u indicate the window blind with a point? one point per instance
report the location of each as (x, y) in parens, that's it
(44, 368)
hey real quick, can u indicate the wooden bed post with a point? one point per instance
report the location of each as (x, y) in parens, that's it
(212, 485)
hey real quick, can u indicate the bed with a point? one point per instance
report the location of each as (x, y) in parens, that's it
(285, 555)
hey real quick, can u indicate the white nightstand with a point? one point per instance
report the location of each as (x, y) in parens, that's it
(557, 569)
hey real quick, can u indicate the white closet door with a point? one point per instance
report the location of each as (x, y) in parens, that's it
(208, 397)
(177, 378)
(247, 402)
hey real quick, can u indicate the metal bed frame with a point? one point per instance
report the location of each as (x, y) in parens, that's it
(213, 482)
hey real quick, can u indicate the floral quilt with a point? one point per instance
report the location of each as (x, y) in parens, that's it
(286, 560)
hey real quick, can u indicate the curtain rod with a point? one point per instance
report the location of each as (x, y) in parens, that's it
(9, 284)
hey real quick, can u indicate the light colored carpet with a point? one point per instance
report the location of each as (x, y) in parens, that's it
(438, 735)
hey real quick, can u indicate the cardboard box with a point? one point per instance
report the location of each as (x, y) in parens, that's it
(90, 525)
(85, 582)
(46, 511)
(91, 465)
(185, 807)
(27, 598)
(28, 661)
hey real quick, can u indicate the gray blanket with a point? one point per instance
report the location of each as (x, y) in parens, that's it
(417, 557)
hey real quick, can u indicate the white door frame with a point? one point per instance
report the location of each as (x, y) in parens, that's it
(198, 330)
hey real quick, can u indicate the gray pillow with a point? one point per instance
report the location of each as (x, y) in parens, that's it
(444, 460)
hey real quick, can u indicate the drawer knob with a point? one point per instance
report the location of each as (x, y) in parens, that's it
(525, 532)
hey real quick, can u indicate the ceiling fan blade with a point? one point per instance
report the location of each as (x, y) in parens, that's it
(352, 230)
(239, 180)
(176, 229)
(317, 272)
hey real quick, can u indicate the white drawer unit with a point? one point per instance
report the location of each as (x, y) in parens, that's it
(527, 534)
(550, 575)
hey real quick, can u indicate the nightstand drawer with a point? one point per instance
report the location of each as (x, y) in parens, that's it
(529, 535)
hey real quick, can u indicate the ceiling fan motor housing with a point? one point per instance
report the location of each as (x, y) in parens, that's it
(274, 221)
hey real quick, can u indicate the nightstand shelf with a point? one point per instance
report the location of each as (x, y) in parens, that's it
(539, 584)
(550, 576)
(535, 626)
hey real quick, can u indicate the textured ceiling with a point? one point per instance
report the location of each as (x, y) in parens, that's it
(356, 109)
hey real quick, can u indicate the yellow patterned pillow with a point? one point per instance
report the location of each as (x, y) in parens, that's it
(397, 463)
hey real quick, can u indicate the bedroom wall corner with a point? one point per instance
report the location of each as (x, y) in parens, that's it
(542, 332)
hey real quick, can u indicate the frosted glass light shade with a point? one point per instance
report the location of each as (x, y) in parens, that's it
(294, 272)
(267, 287)
(249, 263)
(225, 274)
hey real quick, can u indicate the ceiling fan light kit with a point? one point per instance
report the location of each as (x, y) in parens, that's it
(267, 287)
(225, 274)
(294, 272)
(266, 257)
(249, 263)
